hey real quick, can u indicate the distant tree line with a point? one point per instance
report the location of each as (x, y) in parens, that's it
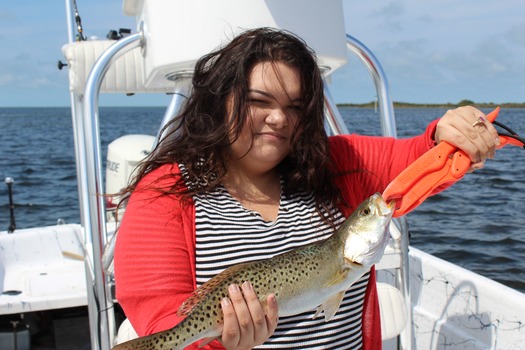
(372, 104)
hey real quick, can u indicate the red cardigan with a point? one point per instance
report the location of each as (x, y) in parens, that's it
(155, 250)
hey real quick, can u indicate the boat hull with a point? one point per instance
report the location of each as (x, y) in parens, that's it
(456, 308)
(42, 268)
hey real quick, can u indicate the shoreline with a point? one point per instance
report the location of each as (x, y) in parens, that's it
(373, 104)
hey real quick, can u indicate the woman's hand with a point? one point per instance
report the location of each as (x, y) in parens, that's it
(246, 322)
(469, 130)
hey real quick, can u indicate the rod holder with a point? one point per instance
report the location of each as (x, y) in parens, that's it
(12, 224)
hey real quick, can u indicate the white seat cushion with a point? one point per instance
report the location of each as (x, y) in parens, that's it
(393, 310)
(126, 332)
(124, 75)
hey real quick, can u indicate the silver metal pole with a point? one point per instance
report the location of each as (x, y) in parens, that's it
(77, 117)
(405, 338)
(332, 115)
(94, 213)
(70, 17)
(388, 127)
(180, 95)
(386, 108)
(77, 109)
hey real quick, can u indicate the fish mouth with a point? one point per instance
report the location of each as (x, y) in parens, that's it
(384, 208)
(368, 246)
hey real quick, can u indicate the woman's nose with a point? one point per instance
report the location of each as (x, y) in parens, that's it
(277, 117)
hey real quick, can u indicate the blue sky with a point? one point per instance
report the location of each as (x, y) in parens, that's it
(432, 51)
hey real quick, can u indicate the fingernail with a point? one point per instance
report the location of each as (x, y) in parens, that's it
(247, 286)
(234, 288)
(225, 302)
(479, 166)
(497, 141)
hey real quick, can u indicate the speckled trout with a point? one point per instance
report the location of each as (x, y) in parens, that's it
(313, 276)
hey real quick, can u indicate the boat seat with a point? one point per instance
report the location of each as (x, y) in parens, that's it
(391, 306)
(125, 332)
(125, 75)
(392, 309)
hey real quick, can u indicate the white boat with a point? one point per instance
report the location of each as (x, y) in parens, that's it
(426, 302)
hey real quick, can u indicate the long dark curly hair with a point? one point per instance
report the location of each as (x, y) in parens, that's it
(200, 137)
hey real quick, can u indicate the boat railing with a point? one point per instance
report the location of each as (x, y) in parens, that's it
(388, 128)
(94, 213)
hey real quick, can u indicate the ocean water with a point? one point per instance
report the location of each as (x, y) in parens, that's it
(479, 223)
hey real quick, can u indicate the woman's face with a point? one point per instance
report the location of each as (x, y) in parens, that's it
(274, 107)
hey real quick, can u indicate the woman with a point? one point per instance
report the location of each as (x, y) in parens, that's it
(247, 171)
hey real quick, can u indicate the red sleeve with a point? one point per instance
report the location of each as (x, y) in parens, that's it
(154, 256)
(365, 165)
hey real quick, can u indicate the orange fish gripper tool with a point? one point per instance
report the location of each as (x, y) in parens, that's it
(442, 165)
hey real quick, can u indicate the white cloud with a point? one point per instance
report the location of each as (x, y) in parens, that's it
(515, 35)
(6, 79)
(439, 51)
(389, 16)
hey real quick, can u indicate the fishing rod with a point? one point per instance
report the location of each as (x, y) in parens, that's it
(12, 225)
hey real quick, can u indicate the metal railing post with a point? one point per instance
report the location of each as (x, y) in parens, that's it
(388, 128)
(386, 108)
(94, 213)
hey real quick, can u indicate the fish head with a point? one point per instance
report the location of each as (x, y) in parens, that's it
(367, 231)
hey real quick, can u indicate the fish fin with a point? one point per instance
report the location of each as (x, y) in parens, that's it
(318, 311)
(330, 306)
(338, 278)
(202, 292)
(189, 304)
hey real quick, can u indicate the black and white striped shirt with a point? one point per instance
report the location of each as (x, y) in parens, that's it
(228, 234)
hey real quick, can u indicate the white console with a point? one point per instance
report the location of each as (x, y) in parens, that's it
(177, 33)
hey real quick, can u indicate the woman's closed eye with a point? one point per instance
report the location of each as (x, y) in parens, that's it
(258, 101)
(296, 107)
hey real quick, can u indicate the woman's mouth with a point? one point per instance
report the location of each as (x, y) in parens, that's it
(272, 135)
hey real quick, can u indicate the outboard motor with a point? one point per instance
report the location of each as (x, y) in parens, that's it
(123, 155)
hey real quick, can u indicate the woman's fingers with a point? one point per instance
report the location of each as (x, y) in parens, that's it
(230, 333)
(272, 317)
(247, 322)
(258, 317)
(469, 130)
(238, 325)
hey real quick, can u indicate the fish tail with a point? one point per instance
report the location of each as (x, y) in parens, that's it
(145, 343)
(176, 338)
